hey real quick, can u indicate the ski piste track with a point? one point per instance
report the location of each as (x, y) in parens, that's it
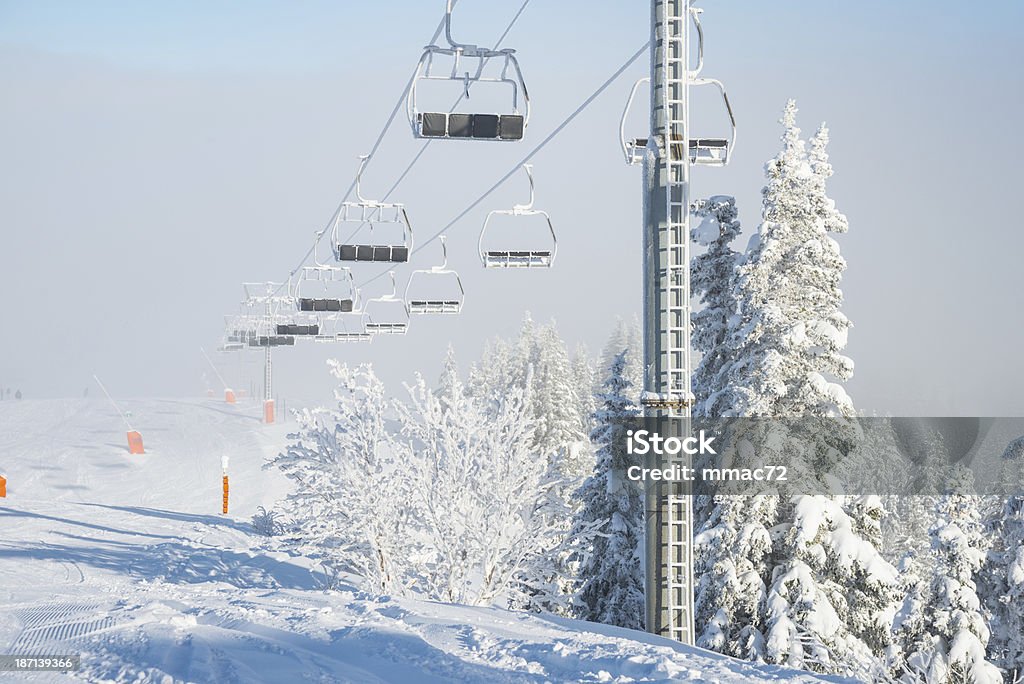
(126, 560)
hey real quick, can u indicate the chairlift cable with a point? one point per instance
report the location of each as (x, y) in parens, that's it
(516, 167)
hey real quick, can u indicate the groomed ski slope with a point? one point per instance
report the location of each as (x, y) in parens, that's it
(127, 560)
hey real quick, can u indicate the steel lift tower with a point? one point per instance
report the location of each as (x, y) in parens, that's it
(270, 297)
(668, 155)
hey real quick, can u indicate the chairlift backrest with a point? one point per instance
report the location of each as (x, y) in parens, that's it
(467, 67)
(512, 253)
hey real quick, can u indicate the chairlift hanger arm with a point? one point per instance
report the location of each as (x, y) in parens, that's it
(695, 13)
(522, 208)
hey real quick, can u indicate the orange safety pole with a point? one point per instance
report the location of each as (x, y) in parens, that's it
(225, 508)
(229, 396)
(3, 487)
(268, 411)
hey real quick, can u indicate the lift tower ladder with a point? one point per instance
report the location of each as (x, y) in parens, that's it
(667, 393)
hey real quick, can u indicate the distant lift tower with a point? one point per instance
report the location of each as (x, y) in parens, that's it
(668, 155)
(273, 297)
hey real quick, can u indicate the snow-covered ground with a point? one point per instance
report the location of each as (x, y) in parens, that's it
(128, 561)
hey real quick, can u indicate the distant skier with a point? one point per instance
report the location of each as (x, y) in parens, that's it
(17, 395)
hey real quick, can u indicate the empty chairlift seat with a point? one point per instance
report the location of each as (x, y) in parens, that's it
(701, 151)
(502, 247)
(459, 68)
(342, 328)
(503, 259)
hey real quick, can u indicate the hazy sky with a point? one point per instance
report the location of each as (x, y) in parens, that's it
(153, 156)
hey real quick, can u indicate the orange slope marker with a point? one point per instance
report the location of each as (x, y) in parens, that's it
(135, 443)
(3, 487)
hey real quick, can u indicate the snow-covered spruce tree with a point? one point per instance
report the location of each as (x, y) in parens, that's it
(711, 282)
(731, 553)
(559, 437)
(829, 591)
(556, 404)
(1006, 570)
(489, 376)
(623, 337)
(957, 633)
(584, 375)
(610, 579)
(349, 502)
(832, 599)
(789, 333)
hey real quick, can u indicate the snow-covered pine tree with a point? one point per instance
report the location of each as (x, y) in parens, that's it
(954, 649)
(495, 372)
(829, 589)
(623, 336)
(559, 438)
(556, 404)
(584, 375)
(789, 332)
(711, 282)
(731, 554)
(1006, 569)
(832, 600)
(610, 580)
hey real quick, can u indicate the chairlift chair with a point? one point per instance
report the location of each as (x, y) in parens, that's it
(372, 216)
(240, 327)
(348, 327)
(468, 63)
(436, 290)
(506, 254)
(702, 151)
(296, 324)
(387, 315)
(236, 334)
(325, 288)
